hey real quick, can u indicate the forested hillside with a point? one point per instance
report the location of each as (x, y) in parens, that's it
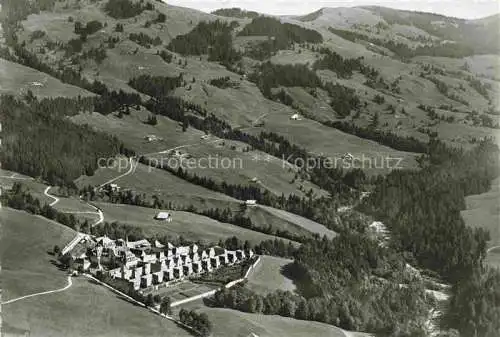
(342, 86)
(39, 141)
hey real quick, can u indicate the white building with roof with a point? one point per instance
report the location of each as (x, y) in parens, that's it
(163, 216)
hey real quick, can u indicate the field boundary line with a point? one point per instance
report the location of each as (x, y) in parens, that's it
(70, 283)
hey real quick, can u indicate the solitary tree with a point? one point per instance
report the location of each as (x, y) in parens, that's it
(165, 306)
(149, 301)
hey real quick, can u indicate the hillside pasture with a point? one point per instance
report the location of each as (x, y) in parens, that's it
(233, 323)
(332, 143)
(37, 189)
(297, 220)
(17, 79)
(190, 226)
(483, 211)
(273, 174)
(150, 181)
(132, 130)
(268, 275)
(25, 244)
(231, 162)
(183, 290)
(85, 309)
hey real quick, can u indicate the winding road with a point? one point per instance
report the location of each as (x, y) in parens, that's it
(491, 248)
(56, 199)
(79, 236)
(70, 283)
(133, 163)
(13, 176)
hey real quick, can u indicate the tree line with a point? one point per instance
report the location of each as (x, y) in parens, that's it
(280, 36)
(422, 211)
(269, 75)
(124, 9)
(212, 38)
(455, 50)
(350, 282)
(408, 143)
(40, 141)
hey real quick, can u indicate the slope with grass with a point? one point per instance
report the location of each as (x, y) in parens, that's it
(25, 245)
(269, 275)
(232, 323)
(307, 224)
(17, 79)
(149, 181)
(483, 211)
(36, 189)
(188, 225)
(86, 309)
(220, 160)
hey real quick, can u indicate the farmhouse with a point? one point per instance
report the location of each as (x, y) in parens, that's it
(151, 138)
(112, 187)
(163, 216)
(251, 202)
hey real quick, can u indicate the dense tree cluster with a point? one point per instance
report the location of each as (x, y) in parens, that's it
(123, 286)
(165, 306)
(422, 209)
(199, 322)
(145, 40)
(90, 28)
(280, 36)
(124, 9)
(270, 75)
(343, 99)
(343, 67)
(474, 308)
(222, 82)
(166, 56)
(74, 46)
(19, 197)
(155, 86)
(31, 146)
(353, 285)
(235, 12)
(408, 144)
(226, 215)
(212, 38)
(37, 34)
(111, 101)
(97, 54)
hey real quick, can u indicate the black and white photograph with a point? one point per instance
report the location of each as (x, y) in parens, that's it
(237, 168)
